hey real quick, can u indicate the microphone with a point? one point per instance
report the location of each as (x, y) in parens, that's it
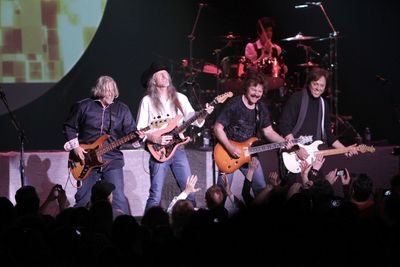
(301, 6)
(308, 4)
(313, 3)
(378, 77)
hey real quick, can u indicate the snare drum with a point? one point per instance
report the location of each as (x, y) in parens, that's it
(233, 67)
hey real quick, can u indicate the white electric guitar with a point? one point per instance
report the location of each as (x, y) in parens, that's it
(292, 161)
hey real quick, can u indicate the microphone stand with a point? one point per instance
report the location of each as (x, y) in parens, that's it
(333, 58)
(217, 52)
(21, 135)
(191, 39)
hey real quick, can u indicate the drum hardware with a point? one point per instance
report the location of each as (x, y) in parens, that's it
(308, 64)
(333, 63)
(231, 37)
(190, 81)
(299, 37)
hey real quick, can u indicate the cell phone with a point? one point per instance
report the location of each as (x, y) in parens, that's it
(387, 192)
(340, 172)
(336, 203)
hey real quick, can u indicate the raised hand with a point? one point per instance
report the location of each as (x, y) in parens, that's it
(191, 185)
(318, 162)
(331, 177)
(352, 151)
(274, 179)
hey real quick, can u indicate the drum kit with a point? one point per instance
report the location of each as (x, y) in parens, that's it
(231, 70)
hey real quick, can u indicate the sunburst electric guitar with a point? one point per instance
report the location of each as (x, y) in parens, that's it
(292, 161)
(163, 153)
(228, 164)
(93, 158)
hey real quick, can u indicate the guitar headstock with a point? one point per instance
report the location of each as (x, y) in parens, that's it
(365, 148)
(305, 139)
(222, 98)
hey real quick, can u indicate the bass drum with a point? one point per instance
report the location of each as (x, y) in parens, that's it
(273, 71)
(233, 68)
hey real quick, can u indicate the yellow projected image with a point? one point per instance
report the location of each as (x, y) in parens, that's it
(41, 40)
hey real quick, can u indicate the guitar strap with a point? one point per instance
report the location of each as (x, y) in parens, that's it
(302, 116)
(113, 115)
(257, 120)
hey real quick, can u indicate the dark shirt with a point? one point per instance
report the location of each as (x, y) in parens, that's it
(240, 122)
(88, 120)
(291, 112)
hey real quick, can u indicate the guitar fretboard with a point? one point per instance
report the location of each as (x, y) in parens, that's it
(192, 119)
(336, 151)
(266, 147)
(131, 136)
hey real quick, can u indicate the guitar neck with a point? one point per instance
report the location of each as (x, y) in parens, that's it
(335, 151)
(108, 147)
(192, 119)
(266, 147)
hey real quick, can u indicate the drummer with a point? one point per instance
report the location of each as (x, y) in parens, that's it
(264, 47)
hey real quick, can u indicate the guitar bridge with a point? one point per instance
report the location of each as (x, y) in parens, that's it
(84, 171)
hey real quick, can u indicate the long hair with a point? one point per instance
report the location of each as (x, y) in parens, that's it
(100, 89)
(155, 96)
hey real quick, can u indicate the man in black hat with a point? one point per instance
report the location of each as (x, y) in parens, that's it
(103, 191)
(163, 100)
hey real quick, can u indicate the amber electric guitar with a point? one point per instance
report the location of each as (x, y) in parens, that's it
(93, 158)
(163, 153)
(228, 164)
(292, 161)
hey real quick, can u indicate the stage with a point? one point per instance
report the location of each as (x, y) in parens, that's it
(45, 169)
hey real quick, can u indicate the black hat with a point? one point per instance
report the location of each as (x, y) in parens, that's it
(154, 67)
(102, 189)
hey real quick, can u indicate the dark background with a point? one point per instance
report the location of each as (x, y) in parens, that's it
(132, 34)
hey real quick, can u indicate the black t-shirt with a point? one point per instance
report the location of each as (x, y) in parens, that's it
(240, 122)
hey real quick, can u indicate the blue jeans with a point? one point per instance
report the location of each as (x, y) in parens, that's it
(180, 168)
(114, 176)
(258, 182)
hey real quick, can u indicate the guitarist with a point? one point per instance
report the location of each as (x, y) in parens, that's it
(243, 117)
(162, 99)
(307, 113)
(91, 118)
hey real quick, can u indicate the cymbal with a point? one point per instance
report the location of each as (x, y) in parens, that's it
(299, 37)
(230, 36)
(308, 65)
(328, 38)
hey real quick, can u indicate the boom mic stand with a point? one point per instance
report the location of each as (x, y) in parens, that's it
(21, 135)
(217, 52)
(190, 81)
(333, 59)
